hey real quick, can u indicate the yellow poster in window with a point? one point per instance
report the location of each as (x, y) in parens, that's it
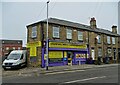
(33, 51)
(55, 54)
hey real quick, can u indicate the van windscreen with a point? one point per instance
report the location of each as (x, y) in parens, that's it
(14, 56)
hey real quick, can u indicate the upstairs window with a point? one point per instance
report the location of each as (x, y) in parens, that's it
(99, 38)
(108, 40)
(113, 40)
(69, 34)
(80, 35)
(55, 32)
(34, 32)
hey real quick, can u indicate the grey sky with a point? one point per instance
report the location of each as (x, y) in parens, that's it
(16, 15)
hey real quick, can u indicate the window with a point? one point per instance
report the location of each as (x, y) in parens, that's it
(7, 48)
(108, 39)
(113, 40)
(109, 52)
(99, 52)
(34, 32)
(56, 32)
(80, 35)
(69, 34)
(13, 48)
(99, 38)
(19, 48)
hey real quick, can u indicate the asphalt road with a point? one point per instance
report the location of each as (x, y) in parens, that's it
(94, 75)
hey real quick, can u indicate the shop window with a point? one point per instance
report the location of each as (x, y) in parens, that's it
(55, 56)
(80, 35)
(69, 34)
(53, 60)
(108, 40)
(55, 32)
(34, 32)
(113, 40)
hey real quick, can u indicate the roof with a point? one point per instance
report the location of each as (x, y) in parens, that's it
(75, 25)
(11, 41)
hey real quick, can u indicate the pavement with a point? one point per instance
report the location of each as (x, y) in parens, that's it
(29, 71)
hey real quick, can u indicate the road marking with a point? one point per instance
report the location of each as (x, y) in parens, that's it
(85, 79)
(62, 72)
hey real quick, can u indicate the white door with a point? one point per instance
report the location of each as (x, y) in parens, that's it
(93, 54)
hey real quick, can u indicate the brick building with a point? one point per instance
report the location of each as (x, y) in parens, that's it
(7, 45)
(70, 41)
(119, 48)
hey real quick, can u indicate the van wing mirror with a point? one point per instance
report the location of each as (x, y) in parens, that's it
(21, 57)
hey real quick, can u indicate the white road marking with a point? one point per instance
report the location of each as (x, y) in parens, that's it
(85, 79)
(63, 72)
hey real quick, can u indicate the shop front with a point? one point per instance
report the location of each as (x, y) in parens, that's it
(63, 53)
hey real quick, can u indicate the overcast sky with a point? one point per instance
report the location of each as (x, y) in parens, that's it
(16, 15)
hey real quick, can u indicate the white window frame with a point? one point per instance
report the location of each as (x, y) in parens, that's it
(80, 35)
(56, 30)
(113, 40)
(100, 52)
(108, 40)
(34, 32)
(69, 33)
(99, 38)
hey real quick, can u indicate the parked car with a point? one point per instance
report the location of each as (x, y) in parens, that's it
(16, 59)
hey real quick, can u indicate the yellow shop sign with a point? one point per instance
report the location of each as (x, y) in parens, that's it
(66, 45)
(35, 44)
(32, 46)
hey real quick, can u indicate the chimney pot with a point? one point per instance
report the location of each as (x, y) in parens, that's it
(93, 23)
(114, 29)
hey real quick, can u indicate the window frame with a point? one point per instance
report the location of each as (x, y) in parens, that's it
(108, 40)
(99, 39)
(69, 33)
(56, 32)
(34, 32)
(80, 36)
(113, 39)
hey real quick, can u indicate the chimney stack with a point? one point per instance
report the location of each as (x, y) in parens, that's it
(93, 23)
(114, 29)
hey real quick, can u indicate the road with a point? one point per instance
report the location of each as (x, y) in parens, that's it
(93, 75)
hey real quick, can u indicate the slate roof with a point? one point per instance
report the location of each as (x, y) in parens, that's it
(11, 41)
(75, 25)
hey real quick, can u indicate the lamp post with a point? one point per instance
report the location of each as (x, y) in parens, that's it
(47, 39)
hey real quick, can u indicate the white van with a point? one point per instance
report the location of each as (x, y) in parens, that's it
(16, 59)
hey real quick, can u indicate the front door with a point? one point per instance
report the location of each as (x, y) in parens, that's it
(114, 55)
(93, 54)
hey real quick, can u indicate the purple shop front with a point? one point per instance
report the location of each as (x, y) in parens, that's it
(77, 56)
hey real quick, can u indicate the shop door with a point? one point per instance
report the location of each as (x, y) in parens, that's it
(69, 56)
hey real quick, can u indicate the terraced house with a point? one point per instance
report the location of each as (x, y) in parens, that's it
(70, 43)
